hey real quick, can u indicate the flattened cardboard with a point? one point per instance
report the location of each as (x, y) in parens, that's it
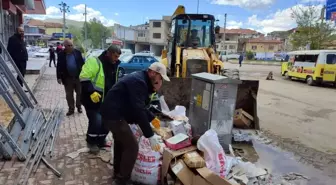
(212, 177)
(169, 155)
(242, 119)
(198, 180)
(182, 172)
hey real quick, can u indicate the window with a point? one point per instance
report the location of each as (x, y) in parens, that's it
(200, 32)
(225, 47)
(137, 60)
(157, 35)
(150, 60)
(254, 47)
(331, 59)
(306, 58)
(156, 24)
(141, 34)
(232, 47)
(271, 47)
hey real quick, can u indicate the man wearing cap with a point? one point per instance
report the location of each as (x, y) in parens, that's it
(126, 103)
(98, 75)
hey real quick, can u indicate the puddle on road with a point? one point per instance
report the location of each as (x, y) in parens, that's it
(279, 162)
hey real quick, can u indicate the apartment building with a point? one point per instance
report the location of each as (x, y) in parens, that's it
(234, 39)
(151, 36)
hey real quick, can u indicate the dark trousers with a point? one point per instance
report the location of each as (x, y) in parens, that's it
(240, 63)
(96, 132)
(22, 66)
(125, 148)
(72, 85)
(52, 58)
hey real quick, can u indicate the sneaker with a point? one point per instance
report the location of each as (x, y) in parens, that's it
(94, 149)
(70, 112)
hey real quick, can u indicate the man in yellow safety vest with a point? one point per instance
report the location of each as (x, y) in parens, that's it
(98, 75)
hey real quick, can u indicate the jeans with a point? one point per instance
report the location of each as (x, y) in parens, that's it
(96, 132)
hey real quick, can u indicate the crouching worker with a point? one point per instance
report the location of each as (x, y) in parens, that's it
(126, 103)
(98, 75)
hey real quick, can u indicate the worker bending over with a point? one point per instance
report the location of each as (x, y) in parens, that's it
(98, 75)
(125, 104)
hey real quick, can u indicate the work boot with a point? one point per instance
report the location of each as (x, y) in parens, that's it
(70, 112)
(93, 149)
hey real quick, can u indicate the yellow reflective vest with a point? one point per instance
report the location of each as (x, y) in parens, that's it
(92, 71)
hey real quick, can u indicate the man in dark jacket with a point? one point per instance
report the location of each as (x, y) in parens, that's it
(18, 51)
(98, 75)
(68, 68)
(125, 104)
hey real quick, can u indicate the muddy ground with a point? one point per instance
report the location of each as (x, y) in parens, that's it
(298, 118)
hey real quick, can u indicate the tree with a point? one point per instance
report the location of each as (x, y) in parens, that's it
(96, 32)
(311, 28)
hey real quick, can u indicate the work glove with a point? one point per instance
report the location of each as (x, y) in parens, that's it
(59, 81)
(95, 97)
(155, 142)
(156, 123)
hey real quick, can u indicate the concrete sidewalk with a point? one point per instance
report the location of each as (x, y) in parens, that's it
(84, 169)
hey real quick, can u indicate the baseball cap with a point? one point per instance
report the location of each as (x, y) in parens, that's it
(161, 69)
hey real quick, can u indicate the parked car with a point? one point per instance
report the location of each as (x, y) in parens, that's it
(229, 56)
(42, 53)
(126, 51)
(95, 53)
(136, 62)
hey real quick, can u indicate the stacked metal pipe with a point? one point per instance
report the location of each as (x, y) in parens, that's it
(42, 146)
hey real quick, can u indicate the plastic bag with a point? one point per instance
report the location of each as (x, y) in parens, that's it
(147, 175)
(214, 154)
(148, 164)
(136, 131)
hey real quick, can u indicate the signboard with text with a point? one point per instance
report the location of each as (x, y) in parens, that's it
(331, 10)
(60, 36)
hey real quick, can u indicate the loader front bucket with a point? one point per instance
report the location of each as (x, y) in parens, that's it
(178, 92)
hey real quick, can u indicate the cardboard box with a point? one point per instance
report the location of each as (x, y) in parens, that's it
(242, 119)
(203, 176)
(168, 156)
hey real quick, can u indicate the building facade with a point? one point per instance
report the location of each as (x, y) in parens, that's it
(231, 41)
(11, 15)
(264, 48)
(151, 36)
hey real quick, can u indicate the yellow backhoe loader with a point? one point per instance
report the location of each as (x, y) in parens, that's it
(192, 49)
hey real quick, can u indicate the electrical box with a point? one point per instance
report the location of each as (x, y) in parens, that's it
(212, 105)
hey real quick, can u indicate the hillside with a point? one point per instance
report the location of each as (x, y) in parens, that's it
(68, 22)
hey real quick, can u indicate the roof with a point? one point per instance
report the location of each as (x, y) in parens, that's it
(35, 22)
(239, 31)
(263, 40)
(311, 52)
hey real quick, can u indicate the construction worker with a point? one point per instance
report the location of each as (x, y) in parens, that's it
(98, 75)
(126, 103)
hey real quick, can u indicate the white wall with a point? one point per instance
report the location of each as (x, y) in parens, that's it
(163, 30)
(156, 49)
(123, 32)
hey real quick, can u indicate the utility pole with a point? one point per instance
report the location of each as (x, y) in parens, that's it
(224, 32)
(64, 9)
(85, 24)
(197, 6)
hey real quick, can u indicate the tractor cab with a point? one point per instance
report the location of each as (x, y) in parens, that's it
(189, 31)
